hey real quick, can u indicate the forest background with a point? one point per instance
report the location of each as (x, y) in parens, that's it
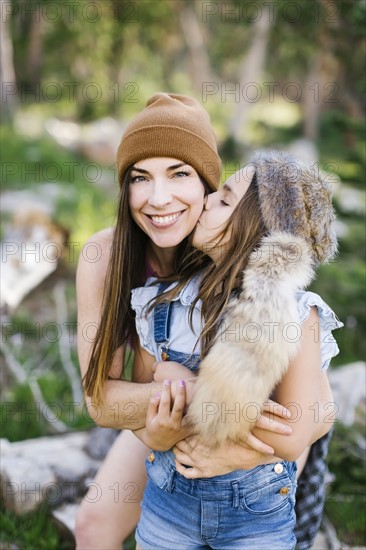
(282, 74)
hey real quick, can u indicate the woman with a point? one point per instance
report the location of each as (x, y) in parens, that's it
(180, 513)
(150, 238)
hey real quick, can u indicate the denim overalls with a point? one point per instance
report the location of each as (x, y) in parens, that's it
(245, 509)
(162, 326)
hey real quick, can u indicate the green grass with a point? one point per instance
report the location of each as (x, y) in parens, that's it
(35, 531)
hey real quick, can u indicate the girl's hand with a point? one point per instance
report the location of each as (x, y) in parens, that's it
(164, 426)
(270, 420)
(207, 462)
(171, 370)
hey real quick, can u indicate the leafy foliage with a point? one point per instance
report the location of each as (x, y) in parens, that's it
(347, 457)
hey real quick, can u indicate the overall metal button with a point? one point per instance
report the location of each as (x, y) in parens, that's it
(278, 468)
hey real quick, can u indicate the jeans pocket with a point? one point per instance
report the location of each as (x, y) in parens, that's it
(275, 494)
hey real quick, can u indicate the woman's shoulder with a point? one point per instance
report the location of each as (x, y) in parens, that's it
(94, 257)
(102, 239)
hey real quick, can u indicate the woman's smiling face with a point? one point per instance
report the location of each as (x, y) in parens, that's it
(217, 211)
(166, 198)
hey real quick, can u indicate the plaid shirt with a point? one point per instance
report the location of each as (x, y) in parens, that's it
(310, 494)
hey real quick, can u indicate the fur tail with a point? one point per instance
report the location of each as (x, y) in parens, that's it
(259, 335)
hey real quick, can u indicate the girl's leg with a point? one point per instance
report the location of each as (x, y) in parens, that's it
(106, 521)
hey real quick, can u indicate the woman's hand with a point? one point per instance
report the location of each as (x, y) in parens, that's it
(206, 462)
(164, 421)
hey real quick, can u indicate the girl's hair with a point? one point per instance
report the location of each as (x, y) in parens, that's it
(127, 269)
(246, 228)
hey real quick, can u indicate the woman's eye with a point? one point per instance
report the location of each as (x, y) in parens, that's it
(224, 203)
(134, 179)
(182, 174)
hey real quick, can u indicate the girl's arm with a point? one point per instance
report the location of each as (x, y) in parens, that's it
(125, 403)
(271, 420)
(300, 391)
(324, 412)
(306, 387)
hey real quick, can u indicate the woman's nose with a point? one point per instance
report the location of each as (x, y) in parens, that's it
(160, 195)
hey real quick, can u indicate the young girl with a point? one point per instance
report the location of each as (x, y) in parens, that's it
(245, 508)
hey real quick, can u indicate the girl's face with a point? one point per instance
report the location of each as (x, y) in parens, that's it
(217, 211)
(165, 198)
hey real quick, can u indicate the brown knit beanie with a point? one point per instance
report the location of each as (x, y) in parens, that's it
(176, 126)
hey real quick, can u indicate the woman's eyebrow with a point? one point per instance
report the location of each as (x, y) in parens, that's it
(137, 169)
(175, 166)
(170, 168)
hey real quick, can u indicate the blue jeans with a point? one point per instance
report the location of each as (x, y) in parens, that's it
(246, 509)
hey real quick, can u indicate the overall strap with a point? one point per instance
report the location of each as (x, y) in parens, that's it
(162, 321)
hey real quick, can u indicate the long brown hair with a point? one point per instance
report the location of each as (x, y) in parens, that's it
(127, 269)
(219, 280)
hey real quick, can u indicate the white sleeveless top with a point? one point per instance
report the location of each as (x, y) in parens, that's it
(184, 340)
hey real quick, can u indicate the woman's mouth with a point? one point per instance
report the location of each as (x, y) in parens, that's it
(164, 221)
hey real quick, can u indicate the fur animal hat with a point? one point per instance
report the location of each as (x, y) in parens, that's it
(296, 199)
(252, 350)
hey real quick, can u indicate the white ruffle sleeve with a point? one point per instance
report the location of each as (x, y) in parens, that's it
(328, 321)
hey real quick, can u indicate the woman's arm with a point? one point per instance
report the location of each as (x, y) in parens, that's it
(125, 403)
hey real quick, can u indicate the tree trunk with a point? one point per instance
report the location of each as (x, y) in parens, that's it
(34, 54)
(9, 96)
(199, 61)
(311, 101)
(250, 71)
